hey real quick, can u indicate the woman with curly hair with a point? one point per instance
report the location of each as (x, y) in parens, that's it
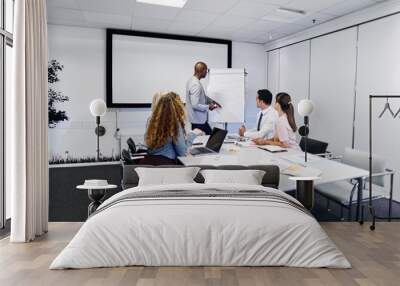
(165, 134)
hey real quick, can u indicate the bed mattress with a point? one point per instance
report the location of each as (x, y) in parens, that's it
(201, 225)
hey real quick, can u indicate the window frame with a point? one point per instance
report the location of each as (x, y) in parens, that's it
(6, 39)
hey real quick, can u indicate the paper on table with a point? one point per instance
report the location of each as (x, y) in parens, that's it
(299, 158)
(282, 164)
(233, 136)
(272, 148)
(201, 139)
(246, 144)
(299, 171)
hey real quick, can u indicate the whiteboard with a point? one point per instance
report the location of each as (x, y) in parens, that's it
(142, 66)
(227, 87)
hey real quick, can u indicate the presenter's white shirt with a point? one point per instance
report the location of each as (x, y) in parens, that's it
(267, 125)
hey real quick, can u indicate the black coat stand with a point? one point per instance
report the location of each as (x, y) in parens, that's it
(370, 206)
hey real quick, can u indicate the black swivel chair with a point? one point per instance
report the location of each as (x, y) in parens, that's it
(313, 146)
(126, 157)
(131, 145)
(133, 148)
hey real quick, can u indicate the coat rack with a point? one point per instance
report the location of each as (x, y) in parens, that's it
(387, 108)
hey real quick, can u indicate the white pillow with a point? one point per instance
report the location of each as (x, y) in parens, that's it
(247, 177)
(166, 176)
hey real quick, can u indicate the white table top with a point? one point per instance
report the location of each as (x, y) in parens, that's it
(87, 187)
(231, 154)
(304, 178)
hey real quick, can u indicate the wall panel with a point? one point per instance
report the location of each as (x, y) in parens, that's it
(379, 73)
(333, 70)
(294, 72)
(345, 68)
(273, 71)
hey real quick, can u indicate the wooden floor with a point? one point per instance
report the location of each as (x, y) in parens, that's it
(375, 257)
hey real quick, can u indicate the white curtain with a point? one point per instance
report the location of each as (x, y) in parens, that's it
(28, 159)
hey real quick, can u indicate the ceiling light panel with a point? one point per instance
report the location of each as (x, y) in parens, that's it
(285, 15)
(169, 3)
(291, 11)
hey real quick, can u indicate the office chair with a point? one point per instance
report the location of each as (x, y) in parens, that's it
(126, 157)
(343, 192)
(315, 147)
(157, 160)
(133, 148)
(131, 145)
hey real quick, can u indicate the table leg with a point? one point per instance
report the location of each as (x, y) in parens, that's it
(305, 193)
(359, 200)
(96, 197)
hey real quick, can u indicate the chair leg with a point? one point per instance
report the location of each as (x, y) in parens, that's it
(359, 198)
(341, 213)
(349, 214)
(350, 205)
(328, 204)
(391, 197)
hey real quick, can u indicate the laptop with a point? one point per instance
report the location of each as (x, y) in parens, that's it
(213, 144)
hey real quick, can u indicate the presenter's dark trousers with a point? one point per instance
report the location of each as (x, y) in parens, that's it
(203, 127)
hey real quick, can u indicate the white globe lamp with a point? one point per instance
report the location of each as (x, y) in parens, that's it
(305, 108)
(98, 108)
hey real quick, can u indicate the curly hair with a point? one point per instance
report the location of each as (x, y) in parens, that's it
(155, 99)
(166, 119)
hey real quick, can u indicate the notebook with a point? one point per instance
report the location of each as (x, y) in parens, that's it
(272, 148)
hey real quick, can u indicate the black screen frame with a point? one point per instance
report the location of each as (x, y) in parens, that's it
(109, 59)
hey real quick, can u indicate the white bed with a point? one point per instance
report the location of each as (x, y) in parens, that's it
(185, 230)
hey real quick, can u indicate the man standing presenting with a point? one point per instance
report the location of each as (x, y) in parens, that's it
(197, 103)
(266, 118)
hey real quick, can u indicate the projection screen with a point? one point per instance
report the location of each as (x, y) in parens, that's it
(140, 64)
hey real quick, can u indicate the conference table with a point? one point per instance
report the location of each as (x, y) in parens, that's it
(291, 164)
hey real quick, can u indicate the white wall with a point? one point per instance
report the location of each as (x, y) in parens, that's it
(333, 71)
(273, 71)
(379, 73)
(294, 67)
(252, 57)
(82, 51)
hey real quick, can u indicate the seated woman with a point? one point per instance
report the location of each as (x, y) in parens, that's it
(154, 102)
(285, 135)
(165, 134)
(188, 126)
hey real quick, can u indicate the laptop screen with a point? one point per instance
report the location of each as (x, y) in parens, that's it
(216, 139)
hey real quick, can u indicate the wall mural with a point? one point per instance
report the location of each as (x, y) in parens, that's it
(54, 97)
(56, 116)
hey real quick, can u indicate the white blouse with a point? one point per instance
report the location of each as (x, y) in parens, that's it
(285, 133)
